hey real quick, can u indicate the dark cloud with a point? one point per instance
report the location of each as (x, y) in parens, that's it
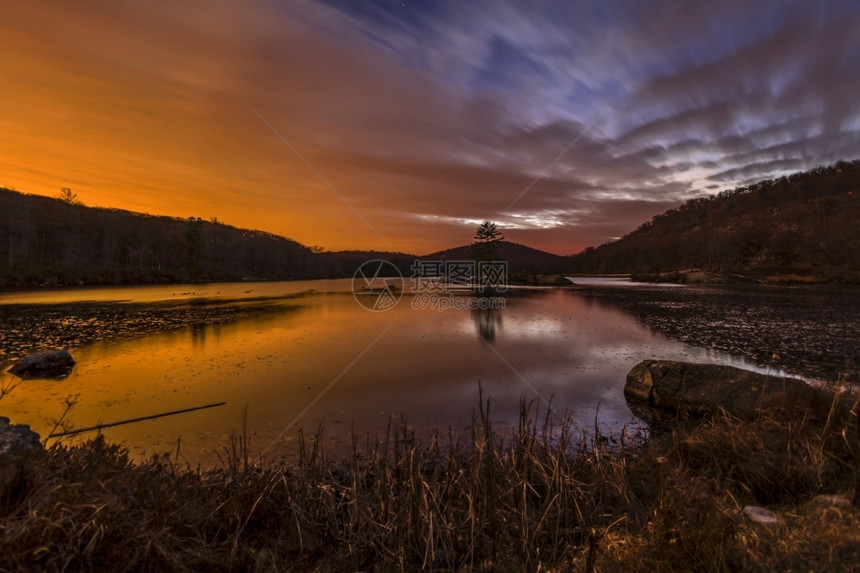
(779, 103)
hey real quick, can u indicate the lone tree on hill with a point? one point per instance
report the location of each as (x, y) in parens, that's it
(488, 242)
(68, 196)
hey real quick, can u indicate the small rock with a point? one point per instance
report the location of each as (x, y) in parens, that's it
(832, 500)
(52, 364)
(761, 516)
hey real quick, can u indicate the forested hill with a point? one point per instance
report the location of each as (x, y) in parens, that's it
(805, 226)
(59, 242)
(54, 242)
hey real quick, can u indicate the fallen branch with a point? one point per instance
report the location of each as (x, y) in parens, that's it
(132, 420)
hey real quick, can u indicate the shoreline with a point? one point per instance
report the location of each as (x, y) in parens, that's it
(716, 493)
(762, 277)
(683, 277)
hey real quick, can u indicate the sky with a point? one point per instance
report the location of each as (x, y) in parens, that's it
(400, 126)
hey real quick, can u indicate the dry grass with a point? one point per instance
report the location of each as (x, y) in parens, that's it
(537, 498)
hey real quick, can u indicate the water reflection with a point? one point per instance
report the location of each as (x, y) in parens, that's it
(309, 356)
(198, 334)
(807, 331)
(487, 321)
(29, 328)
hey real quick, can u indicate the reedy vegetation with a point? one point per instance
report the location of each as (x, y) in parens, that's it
(539, 497)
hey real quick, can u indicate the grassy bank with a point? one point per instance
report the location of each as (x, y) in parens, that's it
(538, 498)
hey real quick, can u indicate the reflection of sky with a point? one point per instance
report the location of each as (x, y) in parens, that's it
(427, 116)
(173, 293)
(427, 365)
(618, 282)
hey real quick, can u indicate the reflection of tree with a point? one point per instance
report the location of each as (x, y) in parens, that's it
(198, 334)
(487, 320)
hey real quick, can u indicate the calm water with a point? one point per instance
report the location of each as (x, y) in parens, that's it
(297, 354)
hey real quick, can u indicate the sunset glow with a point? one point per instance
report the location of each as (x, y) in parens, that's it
(398, 125)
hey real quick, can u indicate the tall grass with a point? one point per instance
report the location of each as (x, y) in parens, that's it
(538, 497)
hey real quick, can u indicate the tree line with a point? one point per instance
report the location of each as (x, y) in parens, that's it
(59, 242)
(804, 223)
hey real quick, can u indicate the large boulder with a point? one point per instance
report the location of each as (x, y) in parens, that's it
(16, 439)
(657, 387)
(18, 444)
(52, 364)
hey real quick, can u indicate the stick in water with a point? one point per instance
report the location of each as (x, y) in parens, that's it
(131, 421)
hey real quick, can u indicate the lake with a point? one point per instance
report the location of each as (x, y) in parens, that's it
(291, 355)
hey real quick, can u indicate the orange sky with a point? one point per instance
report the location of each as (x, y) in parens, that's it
(136, 113)
(156, 107)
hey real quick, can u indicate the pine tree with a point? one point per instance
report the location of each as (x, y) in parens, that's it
(488, 242)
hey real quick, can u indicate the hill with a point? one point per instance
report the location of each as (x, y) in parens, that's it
(525, 264)
(53, 242)
(345, 263)
(520, 258)
(45, 241)
(802, 227)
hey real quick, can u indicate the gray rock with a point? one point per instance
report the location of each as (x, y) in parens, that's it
(17, 438)
(655, 387)
(761, 516)
(52, 364)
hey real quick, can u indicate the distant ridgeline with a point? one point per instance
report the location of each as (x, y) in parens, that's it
(45, 241)
(49, 241)
(54, 242)
(800, 227)
(804, 226)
